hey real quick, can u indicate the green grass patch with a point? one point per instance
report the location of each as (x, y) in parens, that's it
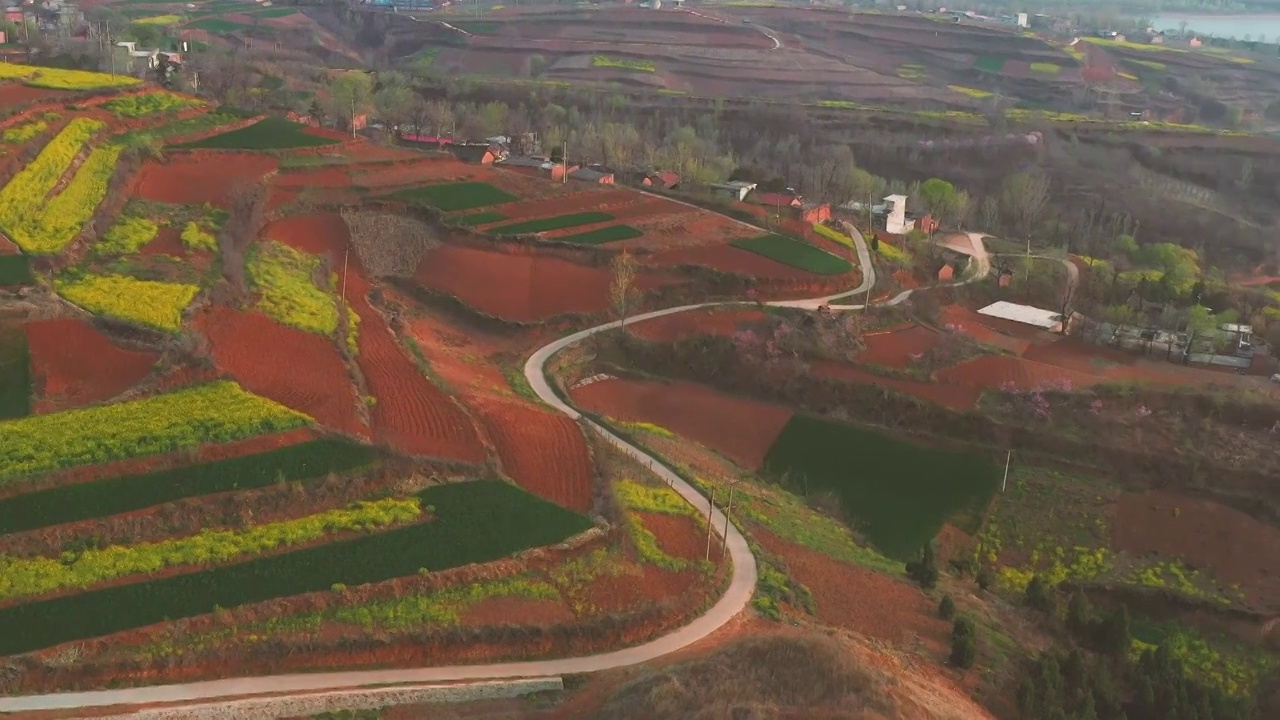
(604, 61)
(795, 253)
(971, 92)
(15, 270)
(126, 493)
(15, 374)
(599, 236)
(473, 522)
(196, 238)
(480, 218)
(911, 71)
(1046, 68)
(127, 236)
(441, 608)
(899, 493)
(833, 235)
(552, 223)
(273, 12)
(659, 499)
(989, 64)
(181, 420)
(136, 106)
(217, 25)
(477, 27)
(29, 577)
(284, 279)
(449, 197)
(267, 134)
(190, 126)
(842, 104)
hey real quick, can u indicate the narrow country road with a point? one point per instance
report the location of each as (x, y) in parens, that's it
(741, 585)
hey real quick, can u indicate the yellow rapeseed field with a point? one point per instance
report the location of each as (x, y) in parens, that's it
(154, 304)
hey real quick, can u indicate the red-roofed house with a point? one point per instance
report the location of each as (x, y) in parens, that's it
(775, 200)
(664, 180)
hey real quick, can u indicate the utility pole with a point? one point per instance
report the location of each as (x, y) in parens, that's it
(1004, 483)
(345, 257)
(111, 49)
(564, 164)
(724, 546)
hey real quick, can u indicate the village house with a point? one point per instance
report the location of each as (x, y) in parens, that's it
(732, 190)
(479, 153)
(592, 175)
(538, 165)
(661, 180)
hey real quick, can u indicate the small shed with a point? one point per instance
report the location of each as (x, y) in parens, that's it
(592, 175)
(734, 189)
(814, 213)
(663, 180)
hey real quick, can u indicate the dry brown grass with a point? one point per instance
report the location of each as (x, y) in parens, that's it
(389, 245)
(759, 678)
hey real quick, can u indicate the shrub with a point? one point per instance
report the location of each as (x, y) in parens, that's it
(216, 412)
(1039, 595)
(925, 570)
(26, 577)
(148, 303)
(986, 577)
(947, 608)
(25, 131)
(127, 236)
(964, 646)
(195, 238)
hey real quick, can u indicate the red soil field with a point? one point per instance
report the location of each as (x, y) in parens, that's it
(894, 348)
(167, 242)
(513, 610)
(75, 365)
(688, 227)
(429, 171)
(859, 599)
(743, 430)
(256, 445)
(188, 178)
(975, 326)
(587, 200)
(13, 94)
(993, 371)
(956, 397)
(411, 414)
(723, 323)
(544, 452)
(1203, 534)
(461, 359)
(678, 536)
(726, 258)
(8, 248)
(518, 287)
(295, 368)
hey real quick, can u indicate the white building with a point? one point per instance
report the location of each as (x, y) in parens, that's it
(895, 220)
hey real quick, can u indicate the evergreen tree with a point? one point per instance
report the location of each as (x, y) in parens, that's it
(925, 570)
(947, 608)
(1039, 594)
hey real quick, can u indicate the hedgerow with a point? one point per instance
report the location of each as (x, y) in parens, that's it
(24, 132)
(472, 522)
(216, 412)
(150, 303)
(27, 577)
(128, 235)
(125, 493)
(22, 199)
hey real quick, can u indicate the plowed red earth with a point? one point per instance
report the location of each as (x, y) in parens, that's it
(743, 430)
(993, 371)
(13, 94)
(957, 397)
(514, 610)
(167, 242)
(295, 368)
(721, 323)
(201, 178)
(326, 133)
(727, 258)
(544, 452)
(894, 348)
(8, 248)
(1229, 545)
(862, 600)
(411, 414)
(518, 287)
(975, 326)
(678, 536)
(75, 365)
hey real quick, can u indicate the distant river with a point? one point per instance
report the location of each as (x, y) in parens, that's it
(1224, 26)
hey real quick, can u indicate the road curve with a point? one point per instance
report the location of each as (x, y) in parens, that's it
(741, 584)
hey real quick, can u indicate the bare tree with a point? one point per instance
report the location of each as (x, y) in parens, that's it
(622, 285)
(1023, 198)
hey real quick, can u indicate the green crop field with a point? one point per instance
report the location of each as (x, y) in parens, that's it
(480, 218)
(899, 493)
(989, 64)
(600, 236)
(795, 253)
(267, 134)
(15, 374)
(471, 523)
(273, 12)
(456, 196)
(552, 223)
(216, 412)
(217, 25)
(15, 270)
(126, 493)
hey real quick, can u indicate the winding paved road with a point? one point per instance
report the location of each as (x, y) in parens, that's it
(741, 585)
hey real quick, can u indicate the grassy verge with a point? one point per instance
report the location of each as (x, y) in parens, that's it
(552, 223)
(449, 197)
(899, 493)
(125, 493)
(216, 412)
(474, 523)
(795, 253)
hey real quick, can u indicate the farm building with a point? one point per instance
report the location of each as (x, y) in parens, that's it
(895, 219)
(774, 200)
(733, 190)
(662, 180)
(1025, 314)
(481, 153)
(539, 165)
(813, 213)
